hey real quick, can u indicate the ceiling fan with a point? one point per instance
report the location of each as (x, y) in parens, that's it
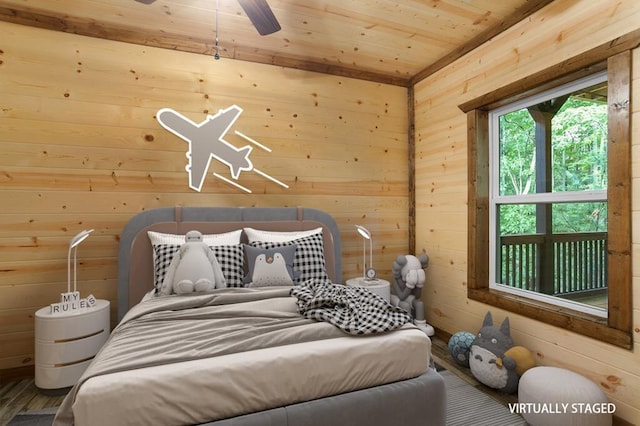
(259, 13)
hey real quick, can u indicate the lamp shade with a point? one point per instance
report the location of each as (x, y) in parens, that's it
(364, 232)
(73, 245)
(79, 238)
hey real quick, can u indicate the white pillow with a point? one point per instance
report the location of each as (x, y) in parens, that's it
(225, 239)
(257, 235)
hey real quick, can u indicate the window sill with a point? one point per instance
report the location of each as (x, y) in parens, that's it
(575, 321)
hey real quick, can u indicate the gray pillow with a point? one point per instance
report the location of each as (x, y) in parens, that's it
(309, 259)
(270, 267)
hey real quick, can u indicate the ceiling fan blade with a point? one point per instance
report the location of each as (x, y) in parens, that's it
(261, 16)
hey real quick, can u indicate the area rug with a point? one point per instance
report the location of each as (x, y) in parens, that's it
(42, 417)
(468, 406)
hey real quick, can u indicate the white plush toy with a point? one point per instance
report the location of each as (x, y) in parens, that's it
(193, 268)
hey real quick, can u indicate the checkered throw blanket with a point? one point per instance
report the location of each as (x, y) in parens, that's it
(355, 310)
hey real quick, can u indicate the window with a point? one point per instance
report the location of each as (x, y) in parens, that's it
(548, 196)
(545, 220)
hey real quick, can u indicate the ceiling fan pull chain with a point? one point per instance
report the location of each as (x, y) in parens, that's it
(216, 55)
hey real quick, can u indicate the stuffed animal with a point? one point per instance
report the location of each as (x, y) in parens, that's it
(460, 346)
(493, 358)
(193, 268)
(523, 357)
(406, 288)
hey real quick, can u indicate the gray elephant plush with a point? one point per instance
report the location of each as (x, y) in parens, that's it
(193, 268)
(406, 288)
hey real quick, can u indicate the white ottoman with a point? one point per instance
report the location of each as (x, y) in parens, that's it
(551, 396)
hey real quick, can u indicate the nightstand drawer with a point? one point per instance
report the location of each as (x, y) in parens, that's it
(76, 325)
(55, 354)
(59, 377)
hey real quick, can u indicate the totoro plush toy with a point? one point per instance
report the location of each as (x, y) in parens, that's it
(489, 356)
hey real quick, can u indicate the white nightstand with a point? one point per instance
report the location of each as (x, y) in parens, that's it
(66, 343)
(376, 285)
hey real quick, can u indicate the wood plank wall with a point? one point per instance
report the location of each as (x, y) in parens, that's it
(558, 32)
(80, 148)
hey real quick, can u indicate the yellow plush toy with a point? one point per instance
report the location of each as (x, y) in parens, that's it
(523, 357)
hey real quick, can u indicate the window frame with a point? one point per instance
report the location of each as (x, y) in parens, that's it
(495, 199)
(614, 57)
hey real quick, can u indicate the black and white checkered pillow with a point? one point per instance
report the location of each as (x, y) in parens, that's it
(163, 255)
(309, 258)
(230, 259)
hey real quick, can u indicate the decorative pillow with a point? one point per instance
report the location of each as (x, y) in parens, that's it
(230, 259)
(162, 257)
(161, 238)
(309, 259)
(270, 267)
(165, 245)
(257, 235)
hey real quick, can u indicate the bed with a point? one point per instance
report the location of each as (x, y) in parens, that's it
(246, 356)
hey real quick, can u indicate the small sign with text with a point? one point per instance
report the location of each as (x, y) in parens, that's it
(562, 407)
(71, 302)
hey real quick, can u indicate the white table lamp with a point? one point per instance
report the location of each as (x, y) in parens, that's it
(369, 272)
(73, 245)
(71, 301)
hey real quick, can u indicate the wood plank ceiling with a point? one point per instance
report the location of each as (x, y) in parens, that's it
(394, 42)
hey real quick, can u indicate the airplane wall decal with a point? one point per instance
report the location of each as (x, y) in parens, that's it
(206, 141)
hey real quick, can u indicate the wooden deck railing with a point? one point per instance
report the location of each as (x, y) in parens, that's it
(579, 262)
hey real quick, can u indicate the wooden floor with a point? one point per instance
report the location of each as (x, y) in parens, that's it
(441, 356)
(599, 299)
(23, 395)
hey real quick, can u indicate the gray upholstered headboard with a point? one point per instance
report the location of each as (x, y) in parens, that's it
(135, 258)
